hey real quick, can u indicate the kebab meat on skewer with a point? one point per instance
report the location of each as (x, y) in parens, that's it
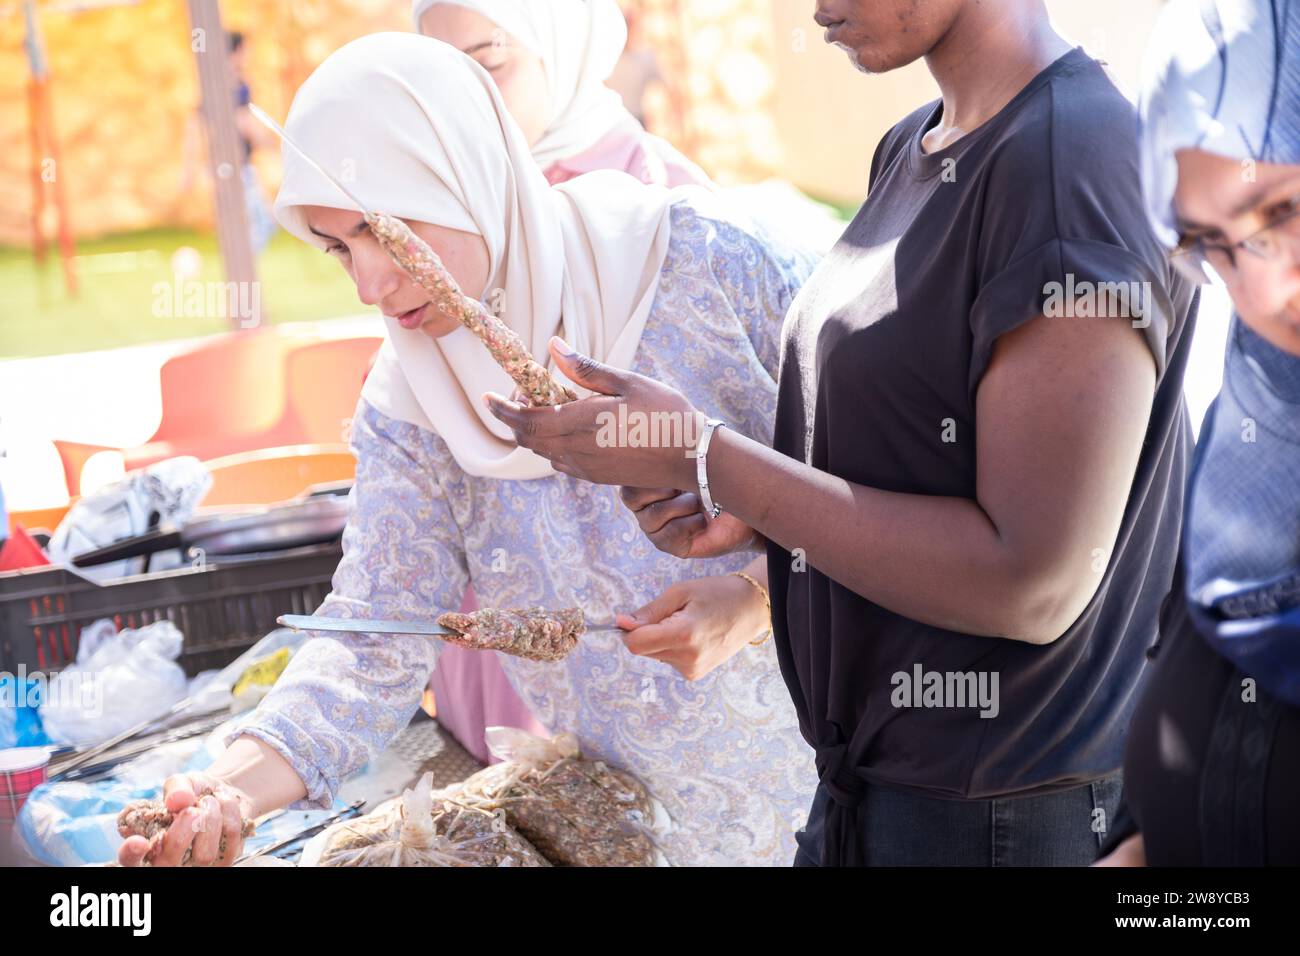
(534, 633)
(423, 265)
(538, 633)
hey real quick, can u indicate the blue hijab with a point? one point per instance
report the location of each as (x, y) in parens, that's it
(1242, 537)
(1224, 76)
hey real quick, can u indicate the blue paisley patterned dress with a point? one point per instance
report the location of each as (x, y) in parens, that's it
(723, 754)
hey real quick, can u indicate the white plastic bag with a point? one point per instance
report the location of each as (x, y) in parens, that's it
(171, 489)
(117, 682)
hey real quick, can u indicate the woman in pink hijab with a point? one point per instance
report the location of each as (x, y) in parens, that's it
(550, 60)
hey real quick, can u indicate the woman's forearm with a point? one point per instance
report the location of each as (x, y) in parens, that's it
(253, 766)
(1061, 416)
(940, 561)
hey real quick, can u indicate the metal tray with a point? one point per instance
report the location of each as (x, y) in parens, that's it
(281, 527)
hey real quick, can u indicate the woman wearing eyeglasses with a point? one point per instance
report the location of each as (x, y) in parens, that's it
(1212, 768)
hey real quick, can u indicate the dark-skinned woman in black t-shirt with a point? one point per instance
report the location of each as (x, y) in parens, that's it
(1212, 769)
(971, 503)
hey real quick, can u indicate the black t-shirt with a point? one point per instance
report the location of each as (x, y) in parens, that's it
(882, 356)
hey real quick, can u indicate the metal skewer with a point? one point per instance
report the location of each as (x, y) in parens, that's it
(86, 755)
(349, 811)
(304, 622)
(262, 117)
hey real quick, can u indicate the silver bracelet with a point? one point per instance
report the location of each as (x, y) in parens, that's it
(701, 468)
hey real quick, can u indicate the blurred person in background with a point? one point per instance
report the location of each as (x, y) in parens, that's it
(551, 60)
(637, 69)
(1212, 769)
(252, 135)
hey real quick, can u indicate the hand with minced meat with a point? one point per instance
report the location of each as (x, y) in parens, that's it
(201, 821)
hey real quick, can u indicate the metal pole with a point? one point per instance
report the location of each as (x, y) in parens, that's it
(208, 40)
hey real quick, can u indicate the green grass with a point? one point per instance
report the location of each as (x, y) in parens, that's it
(116, 302)
(117, 306)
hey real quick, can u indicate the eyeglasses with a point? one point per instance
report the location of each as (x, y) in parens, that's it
(1278, 241)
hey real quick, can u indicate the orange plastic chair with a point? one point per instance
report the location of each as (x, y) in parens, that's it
(273, 475)
(233, 386)
(324, 381)
(226, 395)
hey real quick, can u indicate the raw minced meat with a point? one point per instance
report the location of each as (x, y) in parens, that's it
(425, 828)
(423, 265)
(534, 633)
(576, 812)
(151, 818)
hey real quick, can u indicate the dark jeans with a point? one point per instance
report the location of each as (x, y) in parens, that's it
(904, 829)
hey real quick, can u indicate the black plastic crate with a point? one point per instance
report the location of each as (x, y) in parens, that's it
(221, 609)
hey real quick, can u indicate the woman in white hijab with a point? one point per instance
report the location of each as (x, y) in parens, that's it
(551, 60)
(444, 498)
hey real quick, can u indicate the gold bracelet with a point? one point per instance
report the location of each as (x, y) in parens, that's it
(767, 600)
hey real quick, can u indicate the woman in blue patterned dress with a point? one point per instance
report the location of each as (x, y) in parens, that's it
(692, 702)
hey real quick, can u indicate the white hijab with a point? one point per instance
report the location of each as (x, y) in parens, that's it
(579, 43)
(418, 130)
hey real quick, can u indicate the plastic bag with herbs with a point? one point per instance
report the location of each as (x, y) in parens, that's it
(576, 812)
(424, 828)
